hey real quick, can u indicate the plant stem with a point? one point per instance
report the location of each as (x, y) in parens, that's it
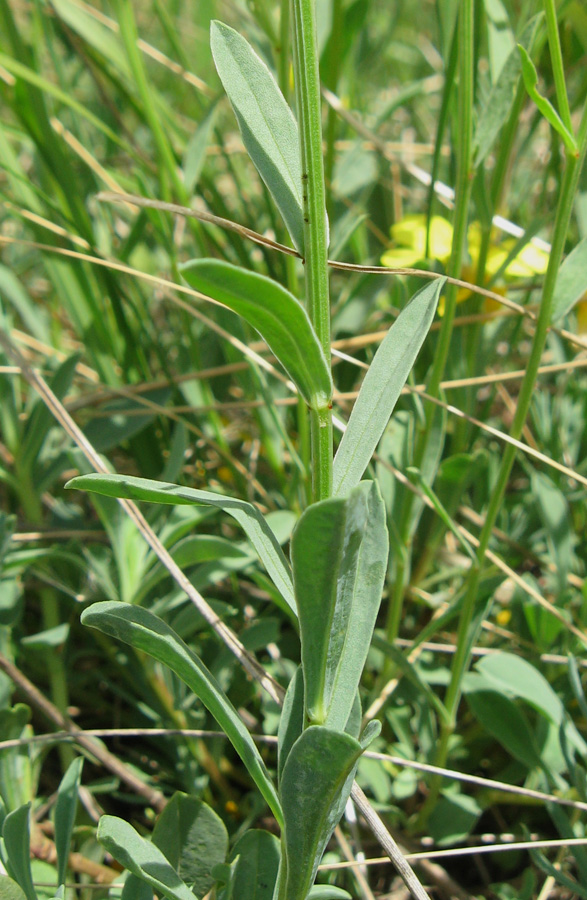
(167, 162)
(465, 40)
(307, 83)
(557, 64)
(465, 640)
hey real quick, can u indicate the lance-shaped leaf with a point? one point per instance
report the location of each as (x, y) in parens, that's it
(145, 631)
(267, 125)
(315, 786)
(339, 556)
(141, 857)
(65, 810)
(382, 386)
(530, 76)
(17, 844)
(280, 319)
(248, 516)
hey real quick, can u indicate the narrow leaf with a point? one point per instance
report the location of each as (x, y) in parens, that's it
(571, 281)
(339, 556)
(17, 843)
(316, 783)
(65, 810)
(382, 386)
(145, 631)
(141, 857)
(248, 516)
(280, 319)
(267, 124)
(497, 106)
(530, 76)
(291, 720)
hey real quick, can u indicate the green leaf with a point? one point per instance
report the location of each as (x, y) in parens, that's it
(141, 629)
(17, 776)
(65, 810)
(9, 889)
(504, 721)
(257, 854)
(248, 516)
(267, 124)
(328, 892)
(530, 77)
(280, 319)
(316, 784)
(41, 419)
(453, 819)
(141, 857)
(291, 721)
(517, 676)
(496, 108)
(193, 838)
(97, 34)
(382, 386)
(16, 836)
(136, 889)
(556, 518)
(571, 281)
(195, 153)
(339, 556)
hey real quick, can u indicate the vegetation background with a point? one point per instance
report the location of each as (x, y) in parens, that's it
(124, 98)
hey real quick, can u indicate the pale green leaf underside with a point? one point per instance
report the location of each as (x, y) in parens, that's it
(382, 386)
(280, 319)
(571, 281)
(267, 124)
(141, 629)
(339, 556)
(248, 516)
(141, 857)
(316, 782)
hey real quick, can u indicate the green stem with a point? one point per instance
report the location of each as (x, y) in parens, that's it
(461, 219)
(167, 162)
(283, 67)
(307, 83)
(556, 60)
(331, 80)
(462, 189)
(465, 640)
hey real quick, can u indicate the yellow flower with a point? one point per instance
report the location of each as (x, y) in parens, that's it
(409, 237)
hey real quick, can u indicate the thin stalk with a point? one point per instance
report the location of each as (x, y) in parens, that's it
(283, 59)
(556, 60)
(464, 641)
(461, 218)
(307, 84)
(331, 79)
(167, 163)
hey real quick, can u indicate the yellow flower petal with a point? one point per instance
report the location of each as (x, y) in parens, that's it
(582, 316)
(411, 232)
(400, 258)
